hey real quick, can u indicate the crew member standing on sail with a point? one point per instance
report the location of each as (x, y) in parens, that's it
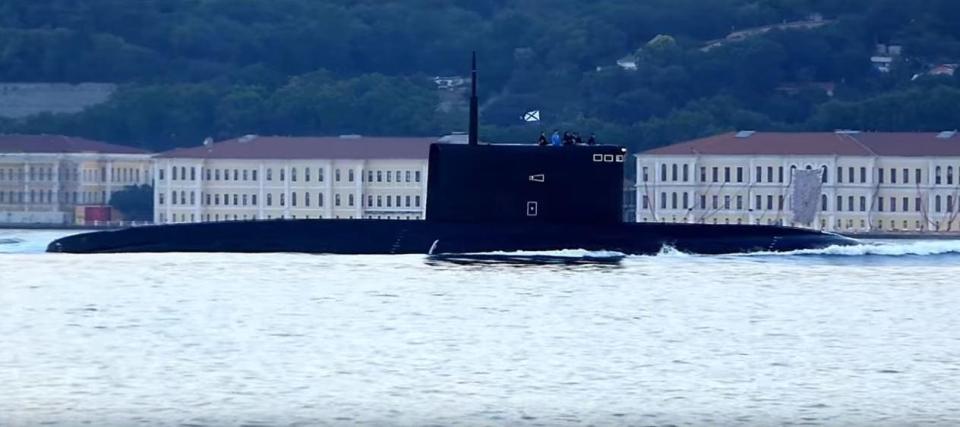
(555, 138)
(542, 140)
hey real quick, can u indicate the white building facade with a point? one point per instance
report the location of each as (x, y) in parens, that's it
(293, 178)
(870, 182)
(44, 179)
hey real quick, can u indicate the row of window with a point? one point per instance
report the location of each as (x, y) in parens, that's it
(184, 173)
(681, 173)
(238, 217)
(39, 174)
(189, 198)
(849, 224)
(47, 197)
(883, 204)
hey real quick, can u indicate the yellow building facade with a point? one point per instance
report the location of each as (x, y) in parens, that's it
(44, 179)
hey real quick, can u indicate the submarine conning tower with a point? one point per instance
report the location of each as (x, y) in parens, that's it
(478, 182)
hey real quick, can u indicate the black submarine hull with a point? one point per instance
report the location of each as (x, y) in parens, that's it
(319, 236)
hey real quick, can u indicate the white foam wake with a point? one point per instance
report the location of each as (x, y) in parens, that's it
(907, 248)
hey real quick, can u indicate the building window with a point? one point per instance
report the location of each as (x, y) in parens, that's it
(823, 202)
(379, 176)
(389, 176)
(350, 200)
(758, 203)
(893, 175)
(919, 176)
(906, 203)
(769, 174)
(306, 174)
(880, 204)
(269, 199)
(416, 176)
(674, 201)
(863, 203)
(780, 174)
(893, 204)
(293, 175)
(759, 175)
(236, 174)
(253, 199)
(917, 202)
(823, 175)
(715, 202)
(673, 175)
(407, 204)
(739, 202)
(320, 199)
(306, 194)
(949, 203)
(663, 173)
(839, 204)
(839, 174)
(369, 201)
(293, 196)
(336, 199)
(949, 175)
(406, 176)
(726, 202)
(726, 174)
(936, 202)
(715, 173)
(663, 200)
(739, 174)
(389, 200)
(159, 198)
(937, 176)
(906, 176)
(379, 201)
(880, 175)
(416, 200)
(646, 202)
(283, 199)
(283, 175)
(780, 203)
(703, 173)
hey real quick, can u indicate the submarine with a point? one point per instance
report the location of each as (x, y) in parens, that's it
(481, 198)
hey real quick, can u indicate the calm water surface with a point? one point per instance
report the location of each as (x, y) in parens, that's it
(839, 337)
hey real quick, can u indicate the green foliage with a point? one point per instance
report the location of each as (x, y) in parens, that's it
(135, 203)
(222, 68)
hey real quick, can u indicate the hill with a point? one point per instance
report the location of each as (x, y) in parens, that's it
(189, 69)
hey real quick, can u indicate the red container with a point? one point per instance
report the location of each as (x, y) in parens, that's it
(96, 213)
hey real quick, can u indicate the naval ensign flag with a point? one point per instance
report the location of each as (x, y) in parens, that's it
(532, 116)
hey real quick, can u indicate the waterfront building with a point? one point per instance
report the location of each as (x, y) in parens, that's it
(270, 177)
(47, 179)
(869, 182)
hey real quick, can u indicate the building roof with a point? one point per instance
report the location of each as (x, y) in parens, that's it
(60, 144)
(840, 143)
(286, 147)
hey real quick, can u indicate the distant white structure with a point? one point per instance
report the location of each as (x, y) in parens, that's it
(270, 177)
(26, 99)
(869, 181)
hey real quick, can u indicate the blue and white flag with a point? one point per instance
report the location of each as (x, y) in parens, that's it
(532, 116)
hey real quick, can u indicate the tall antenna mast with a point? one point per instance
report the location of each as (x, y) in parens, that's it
(474, 113)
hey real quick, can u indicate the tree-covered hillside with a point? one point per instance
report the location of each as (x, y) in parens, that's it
(197, 68)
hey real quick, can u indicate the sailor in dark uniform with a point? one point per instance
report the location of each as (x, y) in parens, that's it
(592, 140)
(542, 140)
(577, 139)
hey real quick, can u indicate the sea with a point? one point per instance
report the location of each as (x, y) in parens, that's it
(858, 336)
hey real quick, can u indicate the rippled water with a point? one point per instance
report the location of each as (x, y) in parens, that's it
(867, 336)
